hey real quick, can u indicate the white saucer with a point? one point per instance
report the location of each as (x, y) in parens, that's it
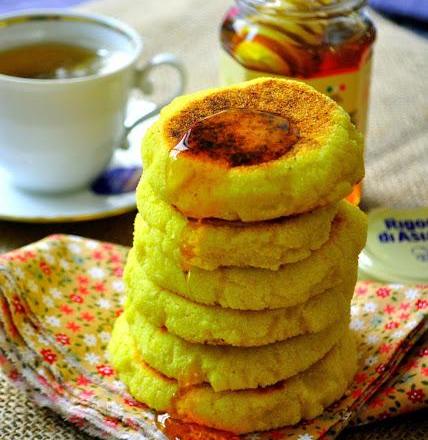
(17, 205)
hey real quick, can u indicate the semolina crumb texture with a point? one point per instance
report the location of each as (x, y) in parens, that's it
(244, 259)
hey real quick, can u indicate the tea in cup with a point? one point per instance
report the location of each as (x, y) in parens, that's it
(65, 79)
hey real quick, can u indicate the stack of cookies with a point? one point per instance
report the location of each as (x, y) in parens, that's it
(245, 258)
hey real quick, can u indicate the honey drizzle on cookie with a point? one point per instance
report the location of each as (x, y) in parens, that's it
(175, 429)
(238, 137)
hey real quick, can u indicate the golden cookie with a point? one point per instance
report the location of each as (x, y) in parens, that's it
(303, 396)
(211, 243)
(228, 368)
(229, 287)
(320, 161)
(203, 324)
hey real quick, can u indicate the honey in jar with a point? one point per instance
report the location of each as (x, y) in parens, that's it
(325, 43)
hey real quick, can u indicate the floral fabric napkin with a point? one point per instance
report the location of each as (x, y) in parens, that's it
(59, 298)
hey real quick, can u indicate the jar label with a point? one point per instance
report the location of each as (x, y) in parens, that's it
(349, 89)
(397, 245)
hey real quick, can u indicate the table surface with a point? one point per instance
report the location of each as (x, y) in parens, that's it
(396, 160)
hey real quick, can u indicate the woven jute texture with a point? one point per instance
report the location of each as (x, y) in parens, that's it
(397, 163)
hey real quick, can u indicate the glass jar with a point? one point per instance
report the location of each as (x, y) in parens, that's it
(325, 43)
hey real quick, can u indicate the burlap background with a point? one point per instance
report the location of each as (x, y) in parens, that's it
(397, 162)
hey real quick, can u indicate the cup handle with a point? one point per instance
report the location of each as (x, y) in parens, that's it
(143, 82)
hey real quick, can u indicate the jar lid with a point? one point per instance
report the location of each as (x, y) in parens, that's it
(397, 245)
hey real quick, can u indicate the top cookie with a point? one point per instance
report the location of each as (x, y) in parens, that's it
(254, 151)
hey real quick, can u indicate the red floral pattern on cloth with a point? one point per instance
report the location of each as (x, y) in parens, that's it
(406, 391)
(58, 301)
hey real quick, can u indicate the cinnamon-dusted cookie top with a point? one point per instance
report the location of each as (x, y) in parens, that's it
(253, 151)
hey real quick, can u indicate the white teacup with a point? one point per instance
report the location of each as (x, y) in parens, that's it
(57, 135)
